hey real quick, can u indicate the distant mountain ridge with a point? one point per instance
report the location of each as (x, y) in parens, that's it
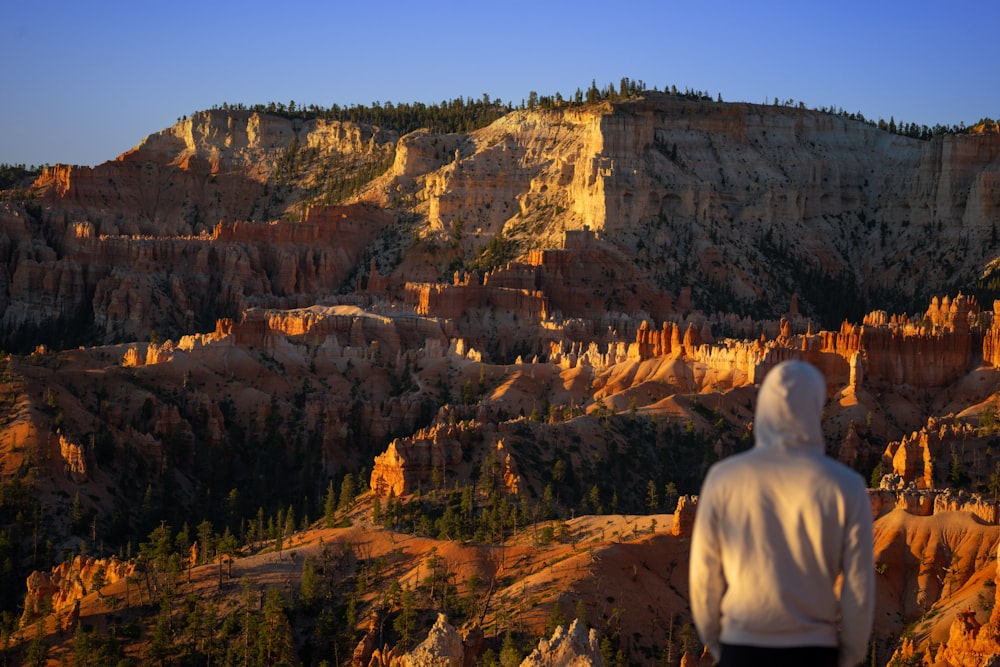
(748, 204)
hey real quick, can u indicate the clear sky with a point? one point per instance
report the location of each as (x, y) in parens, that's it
(83, 81)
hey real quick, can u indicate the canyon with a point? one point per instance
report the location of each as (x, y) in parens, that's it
(524, 343)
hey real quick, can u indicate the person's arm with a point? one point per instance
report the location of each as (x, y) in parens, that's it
(706, 581)
(857, 597)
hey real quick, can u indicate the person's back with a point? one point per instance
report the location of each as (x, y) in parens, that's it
(775, 527)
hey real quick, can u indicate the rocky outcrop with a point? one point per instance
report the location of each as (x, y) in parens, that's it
(586, 278)
(417, 462)
(61, 588)
(421, 152)
(650, 174)
(642, 196)
(366, 647)
(991, 339)
(573, 647)
(924, 457)
(928, 502)
(443, 647)
(512, 482)
(392, 331)
(849, 449)
(137, 196)
(454, 301)
(906, 355)
(877, 355)
(556, 292)
(73, 458)
(687, 507)
(970, 643)
(952, 315)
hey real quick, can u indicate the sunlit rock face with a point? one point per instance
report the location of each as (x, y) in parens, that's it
(62, 587)
(756, 203)
(576, 646)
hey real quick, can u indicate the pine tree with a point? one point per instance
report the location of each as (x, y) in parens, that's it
(38, 650)
(330, 507)
(510, 654)
(406, 620)
(652, 498)
(76, 512)
(309, 588)
(556, 619)
(205, 540)
(276, 646)
(348, 491)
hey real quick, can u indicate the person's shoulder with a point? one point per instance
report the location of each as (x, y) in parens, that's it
(734, 460)
(844, 474)
(731, 465)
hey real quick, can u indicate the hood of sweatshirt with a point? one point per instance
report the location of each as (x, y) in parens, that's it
(789, 407)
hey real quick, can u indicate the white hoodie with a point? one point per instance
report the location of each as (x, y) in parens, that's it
(775, 528)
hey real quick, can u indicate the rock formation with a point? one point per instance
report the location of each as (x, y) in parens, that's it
(417, 462)
(684, 516)
(366, 648)
(931, 501)
(74, 458)
(651, 170)
(849, 449)
(61, 588)
(442, 648)
(576, 647)
(643, 176)
(102, 286)
(925, 457)
(970, 643)
(600, 287)
(215, 165)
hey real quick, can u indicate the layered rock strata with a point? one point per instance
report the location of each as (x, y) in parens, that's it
(59, 589)
(107, 287)
(422, 460)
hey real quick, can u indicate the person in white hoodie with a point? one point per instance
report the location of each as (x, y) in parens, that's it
(781, 569)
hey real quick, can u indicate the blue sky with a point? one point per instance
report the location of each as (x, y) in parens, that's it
(85, 81)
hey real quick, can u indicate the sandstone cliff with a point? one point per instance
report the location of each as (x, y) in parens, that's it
(716, 194)
(738, 201)
(216, 165)
(943, 578)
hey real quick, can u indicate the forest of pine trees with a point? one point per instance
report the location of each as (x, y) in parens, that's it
(468, 114)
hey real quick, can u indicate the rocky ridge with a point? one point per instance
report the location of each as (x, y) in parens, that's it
(681, 181)
(753, 206)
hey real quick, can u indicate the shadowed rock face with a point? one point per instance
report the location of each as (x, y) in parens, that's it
(106, 289)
